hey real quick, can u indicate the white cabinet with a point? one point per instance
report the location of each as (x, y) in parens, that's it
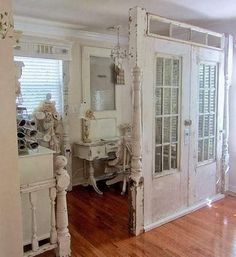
(36, 167)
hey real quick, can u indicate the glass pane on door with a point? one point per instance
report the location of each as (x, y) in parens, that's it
(167, 113)
(207, 97)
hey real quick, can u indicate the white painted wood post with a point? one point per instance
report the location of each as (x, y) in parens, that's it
(67, 151)
(137, 29)
(136, 179)
(228, 81)
(33, 202)
(53, 232)
(63, 181)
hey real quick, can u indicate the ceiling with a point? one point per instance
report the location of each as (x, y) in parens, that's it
(97, 15)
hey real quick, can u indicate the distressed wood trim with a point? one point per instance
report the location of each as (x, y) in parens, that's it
(67, 149)
(37, 186)
(63, 181)
(228, 81)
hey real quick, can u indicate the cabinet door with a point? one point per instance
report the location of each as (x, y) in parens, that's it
(207, 116)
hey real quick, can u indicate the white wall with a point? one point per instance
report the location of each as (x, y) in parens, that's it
(10, 212)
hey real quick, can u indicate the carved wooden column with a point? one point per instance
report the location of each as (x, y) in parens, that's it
(228, 80)
(137, 28)
(63, 181)
(136, 179)
(67, 151)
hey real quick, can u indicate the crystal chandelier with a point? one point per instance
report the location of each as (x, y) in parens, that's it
(117, 53)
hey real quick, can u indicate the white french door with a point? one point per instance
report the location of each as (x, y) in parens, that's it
(165, 93)
(207, 123)
(187, 118)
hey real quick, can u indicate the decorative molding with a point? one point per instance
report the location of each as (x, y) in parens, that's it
(44, 48)
(42, 28)
(184, 212)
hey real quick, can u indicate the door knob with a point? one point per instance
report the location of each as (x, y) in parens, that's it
(187, 122)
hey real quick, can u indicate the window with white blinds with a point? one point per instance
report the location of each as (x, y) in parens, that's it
(207, 112)
(167, 113)
(40, 77)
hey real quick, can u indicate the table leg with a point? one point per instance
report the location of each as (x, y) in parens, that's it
(92, 178)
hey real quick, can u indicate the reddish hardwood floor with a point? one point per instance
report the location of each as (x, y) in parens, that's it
(98, 226)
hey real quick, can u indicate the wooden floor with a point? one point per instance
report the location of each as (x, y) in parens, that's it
(98, 226)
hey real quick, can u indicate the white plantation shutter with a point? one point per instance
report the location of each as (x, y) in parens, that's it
(39, 77)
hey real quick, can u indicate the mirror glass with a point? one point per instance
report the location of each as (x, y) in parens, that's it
(102, 84)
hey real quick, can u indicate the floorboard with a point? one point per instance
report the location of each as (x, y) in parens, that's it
(98, 226)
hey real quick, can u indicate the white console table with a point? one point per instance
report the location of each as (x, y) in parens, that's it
(95, 151)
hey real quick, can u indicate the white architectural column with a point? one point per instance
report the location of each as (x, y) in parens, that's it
(228, 81)
(137, 28)
(136, 193)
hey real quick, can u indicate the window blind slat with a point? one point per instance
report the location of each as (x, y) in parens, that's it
(39, 77)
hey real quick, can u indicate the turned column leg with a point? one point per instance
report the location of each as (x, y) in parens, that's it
(92, 179)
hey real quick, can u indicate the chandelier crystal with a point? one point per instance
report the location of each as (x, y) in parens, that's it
(117, 53)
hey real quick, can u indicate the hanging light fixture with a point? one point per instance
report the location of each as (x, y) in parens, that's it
(117, 55)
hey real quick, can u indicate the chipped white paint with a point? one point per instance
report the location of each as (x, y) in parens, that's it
(53, 232)
(192, 183)
(55, 190)
(228, 81)
(67, 150)
(137, 17)
(63, 181)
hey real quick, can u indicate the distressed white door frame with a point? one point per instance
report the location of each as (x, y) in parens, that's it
(228, 70)
(140, 57)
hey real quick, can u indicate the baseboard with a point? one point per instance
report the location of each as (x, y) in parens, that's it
(232, 189)
(231, 193)
(183, 212)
